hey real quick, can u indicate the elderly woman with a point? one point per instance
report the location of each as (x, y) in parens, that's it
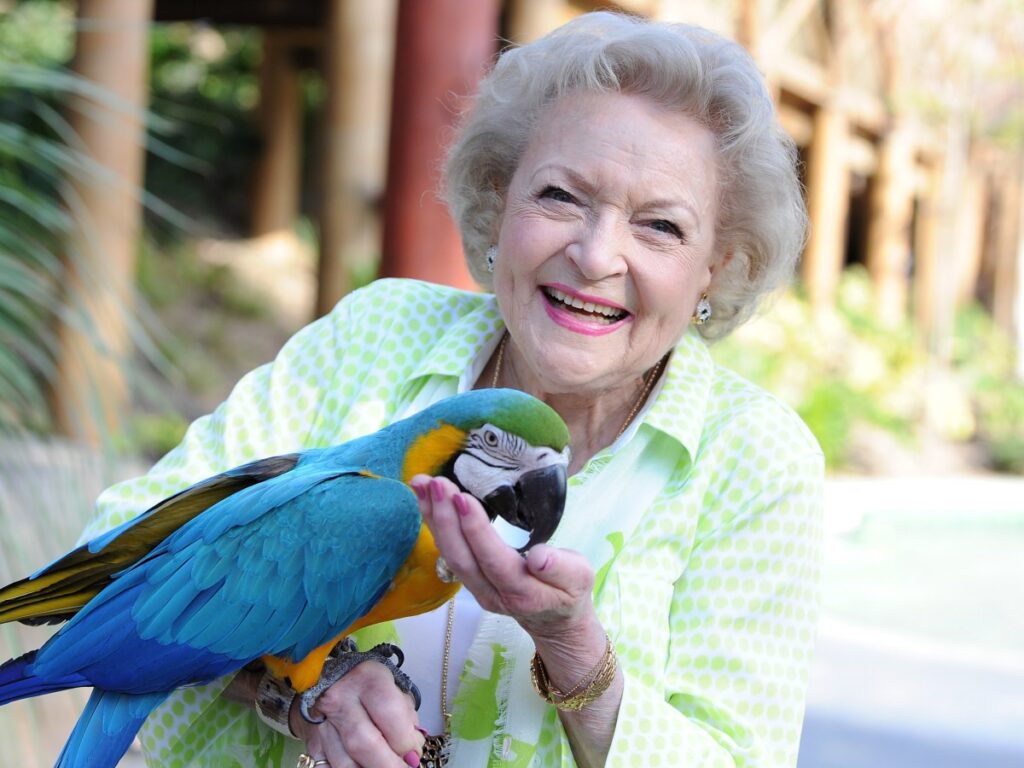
(625, 190)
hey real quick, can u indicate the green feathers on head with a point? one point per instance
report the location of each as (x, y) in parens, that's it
(509, 410)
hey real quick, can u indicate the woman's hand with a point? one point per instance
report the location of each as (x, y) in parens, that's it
(548, 592)
(369, 722)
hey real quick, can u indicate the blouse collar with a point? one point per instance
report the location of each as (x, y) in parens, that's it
(680, 402)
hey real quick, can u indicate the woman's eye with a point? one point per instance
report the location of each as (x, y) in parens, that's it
(557, 194)
(662, 225)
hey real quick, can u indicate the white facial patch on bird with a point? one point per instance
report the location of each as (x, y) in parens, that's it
(493, 458)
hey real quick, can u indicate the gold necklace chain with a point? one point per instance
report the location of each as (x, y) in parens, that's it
(499, 361)
(435, 748)
(648, 386)
(649, 381)
(446, 716)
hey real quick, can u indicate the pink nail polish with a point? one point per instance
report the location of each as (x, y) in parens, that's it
(436, 490)
(419, 491)
(460, 504)
(411, 759)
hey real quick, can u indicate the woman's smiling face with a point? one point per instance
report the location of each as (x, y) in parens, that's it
(607, 239)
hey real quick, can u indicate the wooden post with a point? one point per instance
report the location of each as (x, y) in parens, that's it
(1018, 273)
(927, 239)
(90, 394)
(278, 172)
(358, 52)
(890, 219)
(944, 278)
(828, 192)
(443, 48)
(532, 19)
(828, 177)
(970, 233)
(1009, 228)
(748, 25)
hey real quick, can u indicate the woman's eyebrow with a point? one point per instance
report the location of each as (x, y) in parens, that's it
(674, 202)
(582, 182)
(574, 177)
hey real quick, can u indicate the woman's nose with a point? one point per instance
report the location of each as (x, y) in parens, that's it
(600, 248)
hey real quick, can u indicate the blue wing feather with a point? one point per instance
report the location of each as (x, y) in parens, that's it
(279, 569)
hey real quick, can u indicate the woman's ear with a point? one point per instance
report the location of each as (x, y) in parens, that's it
(720, 263)
(719, 266)
(496, 210)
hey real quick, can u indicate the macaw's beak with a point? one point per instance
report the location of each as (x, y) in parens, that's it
(534, 504)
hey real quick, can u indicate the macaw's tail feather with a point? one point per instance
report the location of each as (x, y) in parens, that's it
(106, 728)
(18, 682)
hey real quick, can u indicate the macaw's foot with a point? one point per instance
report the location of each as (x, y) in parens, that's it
(348, 645)
(342, 661)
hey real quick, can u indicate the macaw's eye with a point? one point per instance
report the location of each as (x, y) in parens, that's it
(490, 438)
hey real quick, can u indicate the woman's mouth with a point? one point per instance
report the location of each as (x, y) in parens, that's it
(585, 310)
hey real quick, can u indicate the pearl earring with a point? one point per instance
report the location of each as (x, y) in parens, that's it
(703, 311)
(489, 256)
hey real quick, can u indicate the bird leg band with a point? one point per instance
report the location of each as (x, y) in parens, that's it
(343, 659)
(273, 703)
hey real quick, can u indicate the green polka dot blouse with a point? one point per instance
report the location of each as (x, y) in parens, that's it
(703, 527)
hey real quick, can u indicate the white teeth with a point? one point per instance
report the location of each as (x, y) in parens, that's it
(586, 306)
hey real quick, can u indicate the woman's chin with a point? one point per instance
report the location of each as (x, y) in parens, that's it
(560, 369)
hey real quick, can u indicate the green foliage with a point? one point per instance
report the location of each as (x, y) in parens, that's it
(46, 248)
(985, 357)
(36, 32)
(204, 85)
(848, 370)
(33, 224)
(200, 301)
(837, 373)
(154, 434)
(168, 273)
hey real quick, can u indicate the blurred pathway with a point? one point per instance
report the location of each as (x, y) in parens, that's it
(920, 659)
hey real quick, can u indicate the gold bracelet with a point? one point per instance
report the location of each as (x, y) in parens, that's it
(586, 691)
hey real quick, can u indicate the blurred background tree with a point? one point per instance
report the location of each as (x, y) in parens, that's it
(947, 73)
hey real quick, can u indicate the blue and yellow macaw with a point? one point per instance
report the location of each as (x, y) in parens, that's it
(275, 560)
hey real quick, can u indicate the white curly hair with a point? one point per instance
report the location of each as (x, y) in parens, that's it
(762, 218)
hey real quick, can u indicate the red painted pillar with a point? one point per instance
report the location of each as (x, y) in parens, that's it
(442, 49)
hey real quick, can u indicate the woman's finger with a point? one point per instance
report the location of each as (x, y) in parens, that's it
(393, 713)
(349, 736)
(501, 566)
(549, 582)
(441, 517)
(563, 569)
(324, 743)
(548, 579)
(367, 747)
(332, 748)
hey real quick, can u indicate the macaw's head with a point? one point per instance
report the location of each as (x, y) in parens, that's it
(509, 450)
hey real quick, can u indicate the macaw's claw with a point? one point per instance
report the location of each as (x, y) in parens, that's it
(348, 645)
(342, 661)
